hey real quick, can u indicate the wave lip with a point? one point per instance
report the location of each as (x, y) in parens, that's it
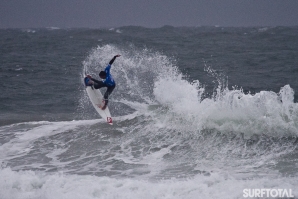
(267, 112)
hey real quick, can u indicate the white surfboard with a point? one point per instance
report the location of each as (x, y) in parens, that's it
(96, 98)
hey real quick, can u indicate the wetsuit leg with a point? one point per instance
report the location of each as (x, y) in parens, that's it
(108, 93)
(99, 84)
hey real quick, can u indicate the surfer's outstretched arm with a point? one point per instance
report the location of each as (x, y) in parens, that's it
(112, 60)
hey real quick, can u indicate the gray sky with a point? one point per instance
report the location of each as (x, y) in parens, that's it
(147, 13)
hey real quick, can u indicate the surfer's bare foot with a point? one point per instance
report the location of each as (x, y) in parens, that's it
(104, 107)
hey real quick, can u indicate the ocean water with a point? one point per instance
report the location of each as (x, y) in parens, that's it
(202, 112)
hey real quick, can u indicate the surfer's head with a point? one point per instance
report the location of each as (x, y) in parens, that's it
(102, 74)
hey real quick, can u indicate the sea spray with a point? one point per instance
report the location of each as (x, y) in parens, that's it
(148, 77)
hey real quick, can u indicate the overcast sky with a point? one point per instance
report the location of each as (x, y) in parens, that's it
(147, 13)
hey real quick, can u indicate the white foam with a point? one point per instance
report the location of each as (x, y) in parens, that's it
(266, 112)
(118, 31)
(53, 28)
(18, 146)
(36, 185)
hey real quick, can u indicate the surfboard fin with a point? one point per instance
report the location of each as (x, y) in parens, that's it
(109, 120)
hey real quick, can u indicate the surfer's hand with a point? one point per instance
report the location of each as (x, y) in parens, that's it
(89, 76)
(117, 55)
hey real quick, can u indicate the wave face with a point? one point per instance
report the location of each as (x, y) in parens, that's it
(175, 136)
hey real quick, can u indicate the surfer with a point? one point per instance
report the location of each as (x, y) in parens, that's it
(108, 81)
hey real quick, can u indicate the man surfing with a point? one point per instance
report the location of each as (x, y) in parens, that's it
(108, 82)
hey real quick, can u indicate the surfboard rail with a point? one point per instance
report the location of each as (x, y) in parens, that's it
(97, 101)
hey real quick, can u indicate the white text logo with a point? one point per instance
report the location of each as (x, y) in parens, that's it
(269, 193)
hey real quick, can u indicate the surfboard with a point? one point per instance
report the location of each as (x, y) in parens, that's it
(97, 101)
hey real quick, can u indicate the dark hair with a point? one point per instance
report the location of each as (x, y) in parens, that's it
(102, 74)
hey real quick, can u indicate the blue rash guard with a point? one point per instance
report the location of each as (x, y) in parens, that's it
(109, 81)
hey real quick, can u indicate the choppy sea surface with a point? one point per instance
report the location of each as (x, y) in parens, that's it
(202, 112)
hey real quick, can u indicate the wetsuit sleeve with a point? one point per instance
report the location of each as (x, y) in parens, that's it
(112, 60)
(95, 80)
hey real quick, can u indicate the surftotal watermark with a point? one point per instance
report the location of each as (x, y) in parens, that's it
(268, 193)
